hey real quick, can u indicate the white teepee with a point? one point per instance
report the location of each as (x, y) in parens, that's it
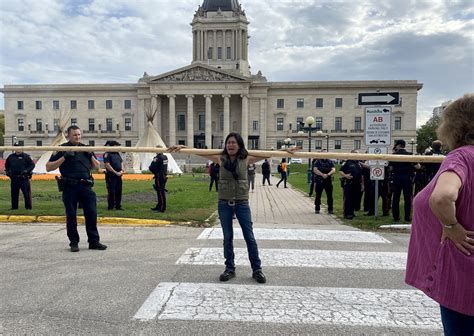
(151, 138)
(63, 116)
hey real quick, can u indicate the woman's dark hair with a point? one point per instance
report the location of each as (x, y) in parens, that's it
(283, 160)
(242, 153)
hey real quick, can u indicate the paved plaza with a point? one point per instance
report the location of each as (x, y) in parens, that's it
(324, 278)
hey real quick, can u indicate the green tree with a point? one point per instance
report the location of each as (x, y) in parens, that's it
(426, 134)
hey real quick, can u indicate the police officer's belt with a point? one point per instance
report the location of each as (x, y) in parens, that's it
(72, 181)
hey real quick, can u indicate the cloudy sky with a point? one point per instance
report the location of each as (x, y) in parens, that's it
(115, 41)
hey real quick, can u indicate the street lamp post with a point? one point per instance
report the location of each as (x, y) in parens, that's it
(321, 134)
(412, 143)
(288, 144)
(309, 128)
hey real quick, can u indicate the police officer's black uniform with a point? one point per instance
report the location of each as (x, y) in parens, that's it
(402, 179)
(352, 187)
(113, 181)
(369, 191)
(77, 187)
(214, 175)
(19, 168)
(313, 179)
(266, 172)
(159, 167)
(324, 166)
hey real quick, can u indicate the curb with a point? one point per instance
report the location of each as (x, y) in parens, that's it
(113, 221)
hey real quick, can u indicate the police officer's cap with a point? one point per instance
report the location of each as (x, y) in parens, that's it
(112, 143)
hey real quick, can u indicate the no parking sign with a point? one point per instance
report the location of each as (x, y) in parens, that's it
(377, 173)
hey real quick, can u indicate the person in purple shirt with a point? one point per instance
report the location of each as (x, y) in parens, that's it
(441, 251)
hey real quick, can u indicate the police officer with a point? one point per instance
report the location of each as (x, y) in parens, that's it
(351, 172)
(431, 168)
(159, 167)
(313, 178)
(77, 182)
(402, 177)
(323, 169)
(113, 177)
(19, 168)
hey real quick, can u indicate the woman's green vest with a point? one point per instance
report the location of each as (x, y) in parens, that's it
(230, 188)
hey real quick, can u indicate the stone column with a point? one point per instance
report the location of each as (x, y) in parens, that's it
(245, 119)
(263, 124)
(226, 115)
(172, 120)
(214, 49)
(190, 122)
(205, 45)
(208, 121)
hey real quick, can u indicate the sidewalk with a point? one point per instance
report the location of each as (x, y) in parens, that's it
(274, 207)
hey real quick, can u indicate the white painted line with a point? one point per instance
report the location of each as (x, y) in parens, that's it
(393, 308)
(156, 301)
(300, 258)
(290, 234)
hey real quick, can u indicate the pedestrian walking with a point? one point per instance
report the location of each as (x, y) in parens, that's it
(159, 168)
(19, 168)
(266, 172)
(282, 169)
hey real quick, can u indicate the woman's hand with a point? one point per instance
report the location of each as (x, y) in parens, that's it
(175, 148)
(462, 239)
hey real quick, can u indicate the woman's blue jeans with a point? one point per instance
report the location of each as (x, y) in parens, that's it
(242, 212)
(456, 324)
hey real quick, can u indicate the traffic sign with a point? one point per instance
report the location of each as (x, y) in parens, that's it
(377, 150)
(378, 130)
(379, 98)
(377, 173)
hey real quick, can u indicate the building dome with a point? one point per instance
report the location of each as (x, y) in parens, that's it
(224, 5)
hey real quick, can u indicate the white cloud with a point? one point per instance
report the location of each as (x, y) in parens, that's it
(97, 41)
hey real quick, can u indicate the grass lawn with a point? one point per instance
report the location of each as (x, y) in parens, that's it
(298, 179)
(188, 199)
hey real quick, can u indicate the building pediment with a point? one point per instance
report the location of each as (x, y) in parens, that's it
(195, 73)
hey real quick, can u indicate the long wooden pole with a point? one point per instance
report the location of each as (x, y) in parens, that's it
(260, 153)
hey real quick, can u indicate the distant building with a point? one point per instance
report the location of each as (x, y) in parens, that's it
(199, 104)
(438, 110)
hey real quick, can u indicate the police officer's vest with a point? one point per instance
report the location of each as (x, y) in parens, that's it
(229, 187)
(159, 165)
(324, 166)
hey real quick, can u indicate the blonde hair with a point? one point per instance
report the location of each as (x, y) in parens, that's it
(457, 124)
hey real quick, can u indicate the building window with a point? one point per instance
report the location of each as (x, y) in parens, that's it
(127, 104)
(39, 125)
(56, 125)
(21, 124)
(229, 53)
(108, 124)
(280, 124)
(91, 143)
(398, 123)
(280, 103)
(299, 143)
(209, 53)
(90, 104)
(337, 144)
(221, 121)
(91, 124)
(356, 144)
(73, 121)
(128, 124)
(299, 123)
(108, 104)
(20, 104)
(202, 122)
(255, 125)
(318, 123)
(39, 105)
(73, 104)
(358, 123)
(128, 143)
(279, 144)
(55, 104)
(253, 143)
(338, 124)
(319, 102)
(181, 122)
(318, 144)
(219, 53)
(338, 102)
(300, 102)
(39, 143)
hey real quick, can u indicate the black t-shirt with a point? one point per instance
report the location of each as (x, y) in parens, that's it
(323, 165)
(352, 167)
(265, 168)
(402, 168)
(76, 167)
(114, 159)
(17, 164)
(159, 165)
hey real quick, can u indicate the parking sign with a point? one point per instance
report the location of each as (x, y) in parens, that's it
(378, 130)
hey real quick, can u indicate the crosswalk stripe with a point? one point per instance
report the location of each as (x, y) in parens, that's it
(284, 304)
(300, 258)
(294, 234)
